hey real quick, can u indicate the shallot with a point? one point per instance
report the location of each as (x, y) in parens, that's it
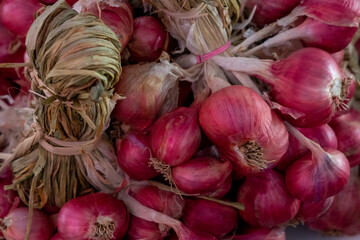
(93, 216)
(244, 128)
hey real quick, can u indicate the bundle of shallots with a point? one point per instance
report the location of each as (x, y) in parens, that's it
(204, 29)
(72, 81)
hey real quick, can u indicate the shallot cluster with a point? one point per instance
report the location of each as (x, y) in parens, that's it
(230, 120)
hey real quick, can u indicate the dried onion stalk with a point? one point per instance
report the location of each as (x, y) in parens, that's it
(74, 64)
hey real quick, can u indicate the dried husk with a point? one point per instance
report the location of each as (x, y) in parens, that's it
(75, 62)
(201, 27)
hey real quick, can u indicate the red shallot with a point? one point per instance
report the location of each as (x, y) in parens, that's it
(148, 41)
(313, 33)
(344, 213)
(323, 135)
(151, 89)
(311, 211)
(133, 153)
(146, 213)
(347, 130)
(334, 12)
(318, 175)
(93, 216)
(269, 11)
(175, 136)
(203, 175)
(308, 83)
(14, 225)
(204, 216)
(267, 201)
(162, 201)
(244, 128)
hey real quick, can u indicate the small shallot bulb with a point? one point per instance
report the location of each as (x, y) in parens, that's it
(244, 128)
(93, 216)
(309, 83)
(342, 218)
(319, 174)
(323, 135)
(133, 153)
(148, 41)
(347, 130)
(175, 136)
(203, 175)
(204, 216)
(267, 201)
(312, 33)
(269, 11)
(14, 225)
(311, 211)
(162, 201)
(151, 89)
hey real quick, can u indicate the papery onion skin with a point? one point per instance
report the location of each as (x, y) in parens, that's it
(237, 120)
(323, 135)
(175, 136)
(311, 82)
(269, 11)
(18, 15)
(148, 40)
(14, 225)
(311, 211)
(79, 217)
(205, 216)
(262, 234)
(133, 153)
(203, 175)
(343, 216)
(269, 204)
(313, 179)
(347, 130)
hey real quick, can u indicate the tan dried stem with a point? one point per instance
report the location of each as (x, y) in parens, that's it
(75, 62)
